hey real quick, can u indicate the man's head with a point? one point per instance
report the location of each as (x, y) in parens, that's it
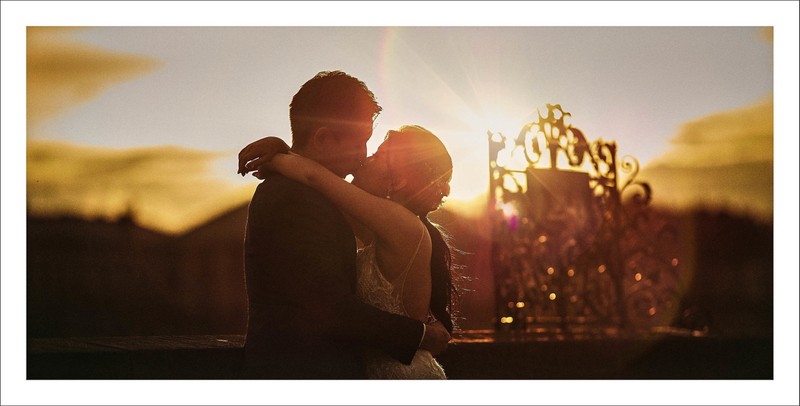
(332, 118)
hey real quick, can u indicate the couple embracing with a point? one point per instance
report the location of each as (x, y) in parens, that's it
(346, 280)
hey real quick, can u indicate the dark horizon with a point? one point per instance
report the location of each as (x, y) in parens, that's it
(726, 248)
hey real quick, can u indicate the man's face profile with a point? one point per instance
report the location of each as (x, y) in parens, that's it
(352, 149)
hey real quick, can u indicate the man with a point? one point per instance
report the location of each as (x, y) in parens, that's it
(305, 320)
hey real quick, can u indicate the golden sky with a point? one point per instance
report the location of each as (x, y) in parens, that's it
(128, 119)
(167, 188)
(723, 160)
(62, 73)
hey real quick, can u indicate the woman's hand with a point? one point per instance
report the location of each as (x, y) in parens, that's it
(257, 153)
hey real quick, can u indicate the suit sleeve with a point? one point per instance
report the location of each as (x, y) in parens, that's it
(310, 250)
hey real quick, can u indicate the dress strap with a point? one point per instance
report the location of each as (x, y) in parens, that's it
(402, 277)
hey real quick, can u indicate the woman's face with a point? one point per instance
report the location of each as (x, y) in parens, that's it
(430, 193)
(422, 192)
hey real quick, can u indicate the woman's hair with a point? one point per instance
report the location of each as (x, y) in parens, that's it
(443, 289)
(419, 156)
(419, 151)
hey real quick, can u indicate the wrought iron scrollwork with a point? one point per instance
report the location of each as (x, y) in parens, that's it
(568, 250)
(556, 135)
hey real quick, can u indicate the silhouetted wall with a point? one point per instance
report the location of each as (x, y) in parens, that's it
(94, 278)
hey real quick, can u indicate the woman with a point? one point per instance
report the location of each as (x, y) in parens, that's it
(403, 260)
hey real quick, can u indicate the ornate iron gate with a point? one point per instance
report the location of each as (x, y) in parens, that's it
(574, 248)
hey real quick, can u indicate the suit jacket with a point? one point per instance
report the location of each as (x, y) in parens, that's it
(304, 318)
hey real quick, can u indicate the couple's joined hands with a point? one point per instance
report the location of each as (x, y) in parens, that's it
(256, 155)
(435, 339)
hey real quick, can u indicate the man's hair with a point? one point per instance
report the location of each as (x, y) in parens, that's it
(332, 99)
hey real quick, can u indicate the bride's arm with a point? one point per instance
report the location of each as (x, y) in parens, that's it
(390, 221)
(257, 152)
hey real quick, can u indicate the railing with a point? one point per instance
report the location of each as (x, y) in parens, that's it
(473, 355)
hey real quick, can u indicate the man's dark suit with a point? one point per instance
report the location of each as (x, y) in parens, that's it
(305, 320)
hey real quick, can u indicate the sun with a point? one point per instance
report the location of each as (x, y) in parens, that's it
(471, 153)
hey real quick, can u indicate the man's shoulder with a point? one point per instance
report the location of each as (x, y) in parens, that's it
(280, 199)
(280, 189)
(275, 183)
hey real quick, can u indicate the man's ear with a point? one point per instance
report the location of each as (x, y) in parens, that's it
(321, 139)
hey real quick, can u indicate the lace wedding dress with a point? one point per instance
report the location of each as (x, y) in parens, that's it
(375, 290)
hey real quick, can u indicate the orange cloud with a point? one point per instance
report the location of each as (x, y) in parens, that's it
(166, 188)
(721, 161)
(62, 73)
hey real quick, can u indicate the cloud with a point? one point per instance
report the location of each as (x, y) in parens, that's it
(721, 161)
(166, 188)
(169, 189)
(62, 73)
(752, 123)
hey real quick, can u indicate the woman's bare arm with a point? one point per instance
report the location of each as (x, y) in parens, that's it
(257, 152)
(388, 220)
